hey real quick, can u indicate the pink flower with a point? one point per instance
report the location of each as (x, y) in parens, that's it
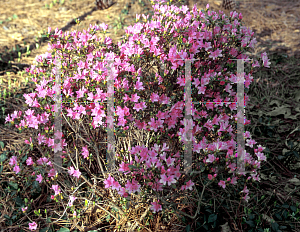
(27, 142)
(134, 97)
(39, 178)
(32, 226)
(13, 160)
(210, 159)
(167, 179)
(222, 183)
(72, 199)
(24, 209)
(71, 170)
(52, 173)
(155, 207)
(123, 192)
(56, 188)
(85, 152)
(216, 54)
(109, 182)
(124, 167)
(77, 173)
(29, 161)
(17, 169)
(189, 185)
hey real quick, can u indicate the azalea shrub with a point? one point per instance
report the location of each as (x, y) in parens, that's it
(147, 102)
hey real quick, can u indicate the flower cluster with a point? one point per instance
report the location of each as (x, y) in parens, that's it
(209, 39)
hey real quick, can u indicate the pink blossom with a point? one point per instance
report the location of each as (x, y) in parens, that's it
(56, 189)
(85, 152)
(211, 158)
(216, 54)
(13, 160)
(266, 61)
(52, 173)
(154, 97)
(167, 179)
(222, 183)
(72, 199)
(39, 178)
(77, 173)
(189, 185)
(134, 97)
(32, 226)
(123, 192)
(17, 169)
(124, 167)
(71, 170)
(155, 207)
(109, 182)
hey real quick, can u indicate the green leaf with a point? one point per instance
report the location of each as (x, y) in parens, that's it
(44, 229)
(188, 228)
(63, 230)
(293, 208)
(251, 223)
(13, 185)
(296, 154)
(3, 157)
(132, 166)
(212, 218)
(285, 206)
(1, 144)
(275, 226)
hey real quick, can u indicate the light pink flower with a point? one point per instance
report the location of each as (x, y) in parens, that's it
(72, 199)
(39, 178)
(32, 226)
(29, 161)
(77, 173)
(56, 189)
(13, 161)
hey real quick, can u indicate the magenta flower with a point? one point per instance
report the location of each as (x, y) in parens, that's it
(109, 182)
(155, 207)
